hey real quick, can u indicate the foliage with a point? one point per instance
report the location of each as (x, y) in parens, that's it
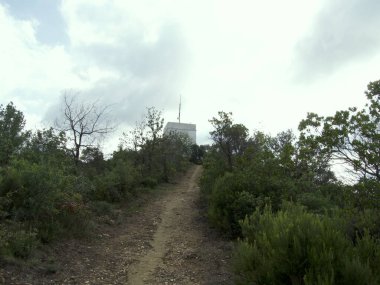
(12, 136)
(351, 136)
(260, 175)
(47, 147)
(117, 183)
(293, 246)
(226, 204)
(46, 195)
(197, 153)
(15, 241)
(332, 234)
(230, 138)
(175, 149)
(213, 168)
(42, 197)
(157, 157)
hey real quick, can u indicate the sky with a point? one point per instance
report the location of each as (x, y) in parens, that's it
(268, 62)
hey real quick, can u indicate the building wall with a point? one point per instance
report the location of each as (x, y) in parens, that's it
(188, 129)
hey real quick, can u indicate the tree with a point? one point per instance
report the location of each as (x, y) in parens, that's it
(134, 139)
(231, 139)
(12, 137)
(144, 140)
(153, 125)
(47, 146)
(174, 151)
(197, 154)
(148, 130)
(350, 136)
(84, 123)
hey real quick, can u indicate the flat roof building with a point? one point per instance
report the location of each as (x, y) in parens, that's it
(187, 129)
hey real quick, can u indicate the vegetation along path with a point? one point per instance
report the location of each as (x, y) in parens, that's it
(166, 241)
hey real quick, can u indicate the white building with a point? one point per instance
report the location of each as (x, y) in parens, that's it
(188, 129)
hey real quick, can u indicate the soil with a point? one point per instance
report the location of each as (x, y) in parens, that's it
(166, 240)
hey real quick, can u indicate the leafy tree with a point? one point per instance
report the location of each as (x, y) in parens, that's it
(12, 137)
(351, 136)
(231, 139)
(175, 149)
(197, 154)
(154, 124)
(93, 161)
(282, 146)
(47, 146)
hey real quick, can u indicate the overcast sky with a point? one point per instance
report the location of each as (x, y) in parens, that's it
(269, 62)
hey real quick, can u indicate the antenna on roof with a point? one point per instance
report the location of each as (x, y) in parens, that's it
(179, 111)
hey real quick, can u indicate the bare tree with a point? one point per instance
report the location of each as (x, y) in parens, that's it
(84, 123)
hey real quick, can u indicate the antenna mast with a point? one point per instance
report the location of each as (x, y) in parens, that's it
(179, 111)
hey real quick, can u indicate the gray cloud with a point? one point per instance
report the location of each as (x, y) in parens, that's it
(149, 73)
(51, 27)
(345, 30)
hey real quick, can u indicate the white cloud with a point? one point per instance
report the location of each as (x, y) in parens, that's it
(237, 56)
(143, 49)
(344, 31)
(32, 73)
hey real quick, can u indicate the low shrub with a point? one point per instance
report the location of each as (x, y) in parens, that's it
(43, 198)
(295, 247)
(149, 182)
(16, 241)
(315, 202)
(101, 208)
(229, 202)
(116, 184)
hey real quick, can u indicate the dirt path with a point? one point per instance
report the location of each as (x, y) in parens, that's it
(166, 241)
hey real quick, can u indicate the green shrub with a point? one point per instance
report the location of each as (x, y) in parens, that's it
(238, 194)
(229, 202)
(149, 182)
(315, 202)
(366, 194)
(15, 241)
(39, 196)
(117, 183)
(293, 246)
(359, 221)
(22, 243)
(101, 208)
(213, 168)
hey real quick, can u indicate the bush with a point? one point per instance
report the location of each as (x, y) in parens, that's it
(116, 184)
(22, 243)
(213, 168)
(15, 241)
(315, 202)
(44, 198)
(293, 246)
(358, 222)
(229, 202)
(101, 208)
(239, 193)
(149, 182)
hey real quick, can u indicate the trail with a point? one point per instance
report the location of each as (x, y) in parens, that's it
(181, 253)
(164, 241)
